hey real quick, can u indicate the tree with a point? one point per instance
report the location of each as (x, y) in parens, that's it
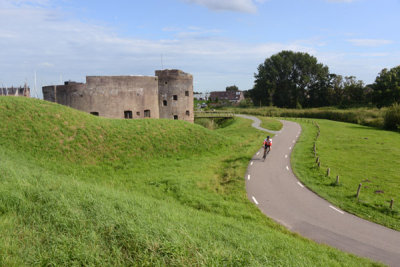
(290, 79)
(353, 91)
(233, 88)
(337, 92)
(386, 89)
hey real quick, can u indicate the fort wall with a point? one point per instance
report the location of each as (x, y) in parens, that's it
(175, 95)
(169, 94)
(109, 96)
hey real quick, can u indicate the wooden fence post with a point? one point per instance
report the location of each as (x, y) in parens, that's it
(317, 160)
(319, 164)
(391, 204)
(337, 179)
(358, 190)
(328, 172)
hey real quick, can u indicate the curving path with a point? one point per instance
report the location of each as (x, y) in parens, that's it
(273, 187)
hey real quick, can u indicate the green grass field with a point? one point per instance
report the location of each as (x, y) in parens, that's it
(270, 123)
(358, 154)
(76, 190)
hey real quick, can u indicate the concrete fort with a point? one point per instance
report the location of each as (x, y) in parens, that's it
(169, 95)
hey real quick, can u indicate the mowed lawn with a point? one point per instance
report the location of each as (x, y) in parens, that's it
(358, 155)
(270, 123)
(79, 190)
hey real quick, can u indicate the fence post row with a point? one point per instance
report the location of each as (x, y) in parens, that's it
(328, 171)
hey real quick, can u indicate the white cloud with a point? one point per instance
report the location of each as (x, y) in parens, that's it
(369, 42)
(46, 64)
(23, 3)
(342, 1)
(246, 6)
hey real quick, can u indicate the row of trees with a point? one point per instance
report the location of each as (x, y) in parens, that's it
(295, 80)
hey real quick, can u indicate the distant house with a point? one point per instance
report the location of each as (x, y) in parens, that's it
(200, 96)
(16, 91)
(231, 96)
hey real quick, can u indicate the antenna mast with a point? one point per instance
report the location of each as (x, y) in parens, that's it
(34, 86)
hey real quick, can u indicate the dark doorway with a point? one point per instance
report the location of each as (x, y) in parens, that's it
(187, 113)
(147, 113)
(186, 93)
(94, 113)
(128, 114)
(165, 103)
(175, 117)
(175, 97)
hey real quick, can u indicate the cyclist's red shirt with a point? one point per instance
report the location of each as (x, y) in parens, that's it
(268, 142)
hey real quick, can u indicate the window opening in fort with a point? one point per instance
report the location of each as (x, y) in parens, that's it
(94, 113)
(138, 113)
(128, 114)
(186, 93)
(175, 97)
(187, 113)
(175, 117)
(147, 113)
(165, 103)
(166, 82)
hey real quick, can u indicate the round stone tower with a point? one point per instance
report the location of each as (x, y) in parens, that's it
(175, 95)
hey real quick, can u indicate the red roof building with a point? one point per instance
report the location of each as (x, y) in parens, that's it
(231, 96)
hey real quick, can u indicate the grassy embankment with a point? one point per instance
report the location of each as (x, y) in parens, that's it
(82, 190)
(358, 154)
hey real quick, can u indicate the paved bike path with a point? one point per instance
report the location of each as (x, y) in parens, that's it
(273, 187)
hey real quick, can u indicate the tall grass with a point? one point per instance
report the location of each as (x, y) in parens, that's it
(392, 117)
(82, 190)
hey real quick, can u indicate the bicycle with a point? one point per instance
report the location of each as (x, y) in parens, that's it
(266, 152)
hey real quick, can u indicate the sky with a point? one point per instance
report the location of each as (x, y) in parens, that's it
(219, 42)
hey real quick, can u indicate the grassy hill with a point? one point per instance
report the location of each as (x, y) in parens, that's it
(82, 190)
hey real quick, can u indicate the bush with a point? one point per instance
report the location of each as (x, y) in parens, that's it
(246, 103)
(392, 117)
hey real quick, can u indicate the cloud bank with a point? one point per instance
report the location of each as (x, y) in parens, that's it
(34, 38)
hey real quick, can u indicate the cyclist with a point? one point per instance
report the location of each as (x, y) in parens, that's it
(267, 146)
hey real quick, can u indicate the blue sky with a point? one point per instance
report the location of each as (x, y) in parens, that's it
(220, 42)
